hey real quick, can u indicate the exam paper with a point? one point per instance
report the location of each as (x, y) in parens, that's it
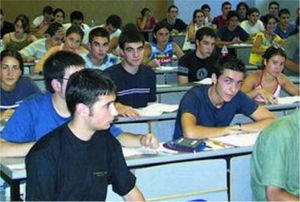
(206, 81)
(288, 99)
(239, 140)
(156, 109)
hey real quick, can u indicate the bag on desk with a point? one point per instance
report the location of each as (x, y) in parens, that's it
(186, 145)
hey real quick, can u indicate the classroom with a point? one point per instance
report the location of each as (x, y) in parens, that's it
(160, 100)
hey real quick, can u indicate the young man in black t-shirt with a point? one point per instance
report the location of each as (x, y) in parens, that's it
(199, 64)
(78, 160)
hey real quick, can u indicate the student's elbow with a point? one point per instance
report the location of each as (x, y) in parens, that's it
(190, 132)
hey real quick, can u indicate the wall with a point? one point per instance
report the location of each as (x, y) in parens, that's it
(98, 10)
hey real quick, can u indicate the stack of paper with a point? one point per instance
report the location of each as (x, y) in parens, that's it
(167, 68)
(288, 99)
(206, 81)
(156, 109)
(238, 140)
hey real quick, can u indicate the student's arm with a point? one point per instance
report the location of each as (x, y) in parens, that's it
(262, 118)
(10, 149)
(192, 130)
(113, 44)
(183, 79)
(125, 110)
(141, 22)
(147, 57)
(134, 195)
(39, 66)
(290, 65)
(257, 45)
(191, 32)
(177, 50)
(289, 86)
(135, 140)
(277, 194)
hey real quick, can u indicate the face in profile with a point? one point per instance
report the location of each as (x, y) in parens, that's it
(10, 73)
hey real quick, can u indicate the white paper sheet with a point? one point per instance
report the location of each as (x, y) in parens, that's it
(288, 99)
(206, 81)
(240, 140)
(156, 109)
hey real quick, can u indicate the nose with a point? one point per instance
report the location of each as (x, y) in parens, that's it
(233, 88)
(113, 111)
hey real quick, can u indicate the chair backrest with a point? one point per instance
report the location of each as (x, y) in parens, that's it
(163, 130)
(201, 179)
(179, 39)
(171, 98)
(240, 179)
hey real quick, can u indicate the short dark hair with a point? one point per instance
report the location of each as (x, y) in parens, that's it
(130, 27)
(172, 6)
(273, 3)
(24, 21)
(284, 11)
(15, 54)
(57, 10)
(229, 62)
(160, 25)
(114, 20)
(98, 31)
(205, 31)
(225, 3)
(272, 51)
(53, 28)
(144, 10)
(252, 10)
(205, 6)
(47, 10)
(85, 86)
(56, 65)
(232, 14)
(130, 37)
(76, 15)
(75, 29)
(242, 4)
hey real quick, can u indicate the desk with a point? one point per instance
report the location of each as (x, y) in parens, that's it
(14, 176)
(167, 75)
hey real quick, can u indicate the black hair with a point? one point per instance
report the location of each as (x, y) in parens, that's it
(76, 15)
(252, 10)
(273, 3)
(85, 86)
(205, 31)
(55, 66)
(15, 54)
(229, 62)
(172, 6)
(242, 4)
(53, 28)
(284, 11)
(225, 3)
(205, 6)
(24, 21)
(114, 20)
(130, 36)
(75, 29)
(232, 14)
(130, 27)
(57, 10)
(267, 19)
(272, 51)
(144, 10)
(195, 13)
(161, 25)
(98, 31)
(47, 10)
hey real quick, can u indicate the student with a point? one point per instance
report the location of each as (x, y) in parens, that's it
(146, 21)
(72, 43)
(291, 48)
(21, 37)
(206, 111)
(59, 15)
(41, 23)
(241, 10)
(37, 116)
(197, 23)
(198, 64)
(81, 158)
(263, 40)
(5, 26)
(264, 85)
(206, 10)
(176, 24)
(284, 28)
(136, 83)
(14, 87)
(77, 18)
(275, 161)
(98, 46)
(161, 50)
(273, 9)
(253, 25)
(36, 50)
(221, 20)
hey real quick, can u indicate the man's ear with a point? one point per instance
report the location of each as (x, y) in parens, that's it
(82, 110)
(214, 78)
(197, 42)
(56, 85)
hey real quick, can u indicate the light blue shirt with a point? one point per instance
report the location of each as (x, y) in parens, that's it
(108, 61)
(36, 49)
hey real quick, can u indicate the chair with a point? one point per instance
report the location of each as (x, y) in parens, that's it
(163, 130)
(179, 39)
(201, 179)
(240, 180)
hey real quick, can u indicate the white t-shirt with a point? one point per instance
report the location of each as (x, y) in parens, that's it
(258, 27)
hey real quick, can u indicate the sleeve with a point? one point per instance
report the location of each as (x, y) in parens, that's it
(247, 106)
(40, 183)
(190, 103)
(28, 50)
(19, 127)
(122, 179)
(183, 70)
(115, 131)
(274, 160)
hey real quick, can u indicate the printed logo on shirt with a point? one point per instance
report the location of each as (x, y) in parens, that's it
(201, 73)
(100, 173)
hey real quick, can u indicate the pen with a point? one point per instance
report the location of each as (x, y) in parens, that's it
(219, 143)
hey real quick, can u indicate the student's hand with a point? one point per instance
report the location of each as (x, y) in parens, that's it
(149, 140)
(233, 130)
(154, 63)
(127, 111)
(268, 97)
